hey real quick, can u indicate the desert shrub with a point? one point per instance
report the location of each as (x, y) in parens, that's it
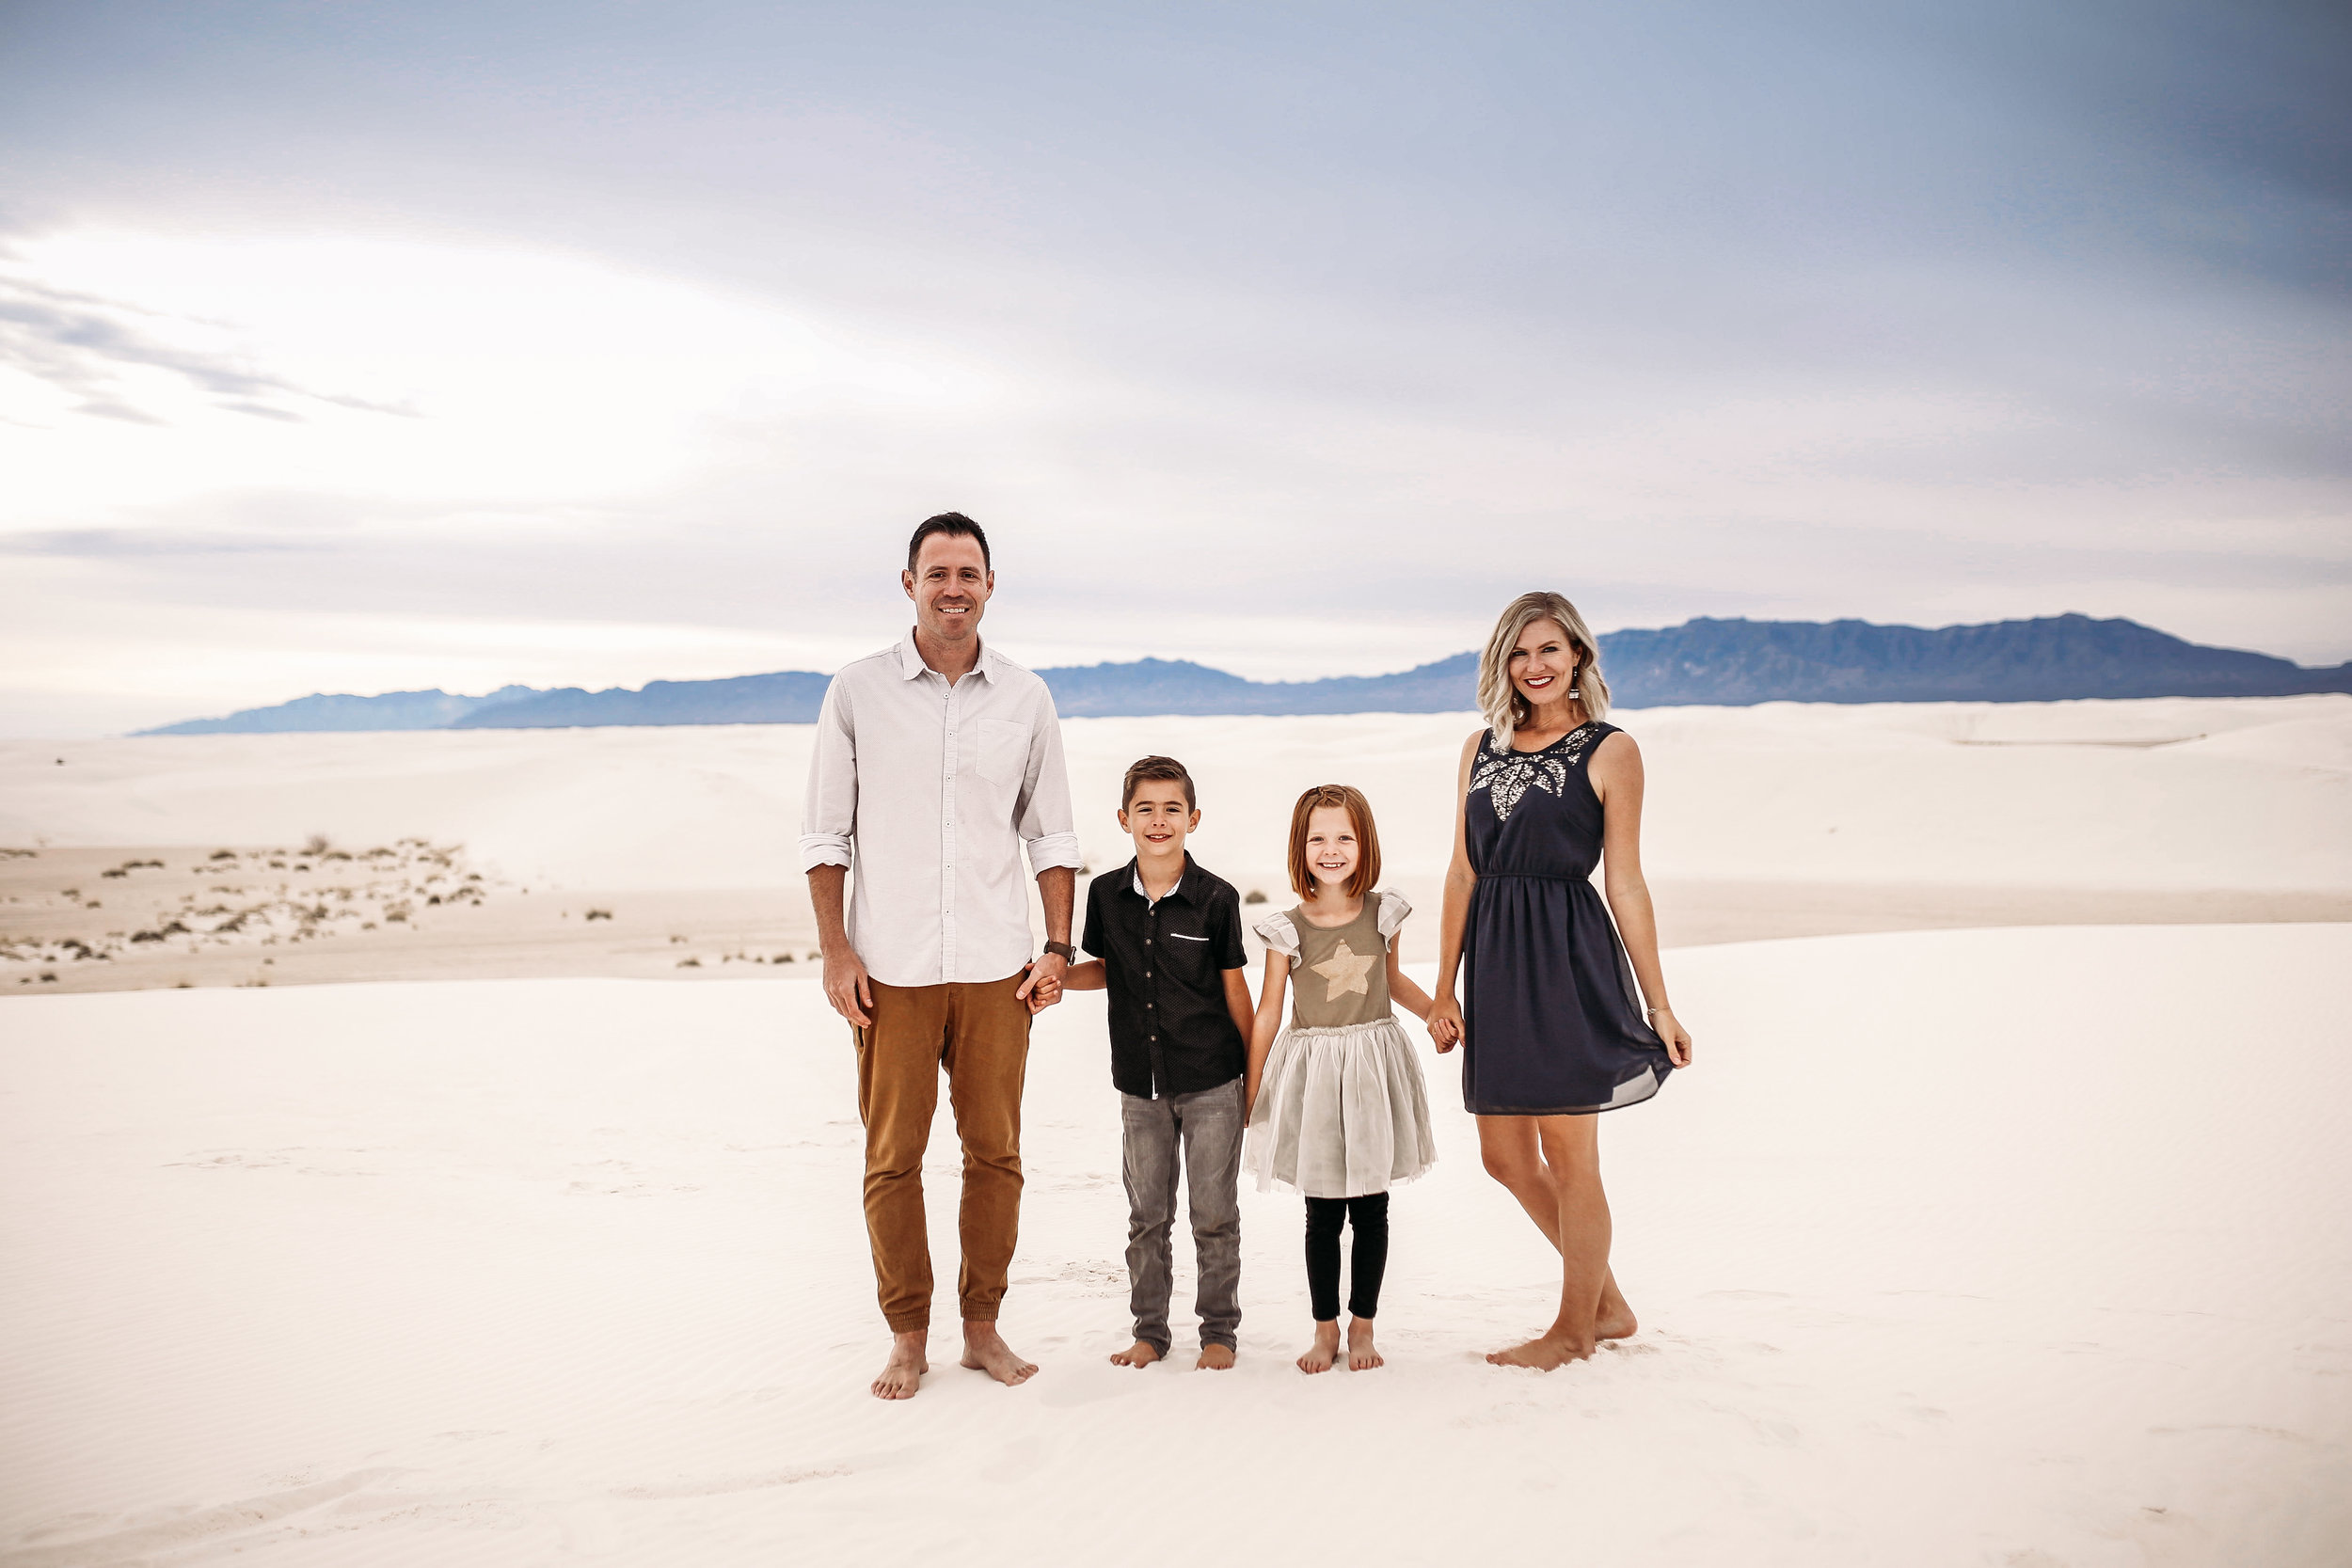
(690, 964)
(592, 914)
(1255, 897)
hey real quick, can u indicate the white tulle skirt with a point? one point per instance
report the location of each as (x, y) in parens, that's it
(1340, 1113)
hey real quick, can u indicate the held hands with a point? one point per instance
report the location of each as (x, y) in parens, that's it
(1042, 989)
(847, 986)
(1445, 1023)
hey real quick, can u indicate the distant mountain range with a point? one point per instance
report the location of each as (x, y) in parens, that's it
(1733, 663)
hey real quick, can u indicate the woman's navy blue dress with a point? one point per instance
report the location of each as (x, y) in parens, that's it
(1551, 1023)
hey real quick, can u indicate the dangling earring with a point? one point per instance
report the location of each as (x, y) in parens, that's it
(1574, 679)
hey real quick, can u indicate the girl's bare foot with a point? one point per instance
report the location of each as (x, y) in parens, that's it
(1542, 1354)
(1325, 1351)
(902, 1374)
(1361, 1358)
(1214, 1358)
(985, 1350)
(1140, 1354)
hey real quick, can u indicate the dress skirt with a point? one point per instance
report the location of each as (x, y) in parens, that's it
(1340, 1113)
(1551, 1020)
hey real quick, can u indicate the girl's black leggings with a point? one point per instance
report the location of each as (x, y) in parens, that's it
(1369, 1216)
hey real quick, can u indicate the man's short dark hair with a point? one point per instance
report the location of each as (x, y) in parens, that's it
(1156, 770)
(947, 522)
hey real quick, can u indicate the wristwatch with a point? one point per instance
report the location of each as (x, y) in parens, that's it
(1063, 951)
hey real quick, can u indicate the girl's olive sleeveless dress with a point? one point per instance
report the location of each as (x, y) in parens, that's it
(1551, 1020)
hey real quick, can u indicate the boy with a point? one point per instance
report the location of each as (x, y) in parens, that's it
(1166, 939)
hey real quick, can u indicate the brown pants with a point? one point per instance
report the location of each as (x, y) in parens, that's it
(980, 1035)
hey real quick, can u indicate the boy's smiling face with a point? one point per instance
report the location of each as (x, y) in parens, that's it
(1158, 818)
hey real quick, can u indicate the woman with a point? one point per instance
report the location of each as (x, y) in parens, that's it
(1554, 1030)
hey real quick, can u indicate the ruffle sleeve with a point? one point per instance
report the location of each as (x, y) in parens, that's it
(1393, 911)
(1279, 934)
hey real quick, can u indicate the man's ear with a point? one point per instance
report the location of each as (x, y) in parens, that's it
(906, 581)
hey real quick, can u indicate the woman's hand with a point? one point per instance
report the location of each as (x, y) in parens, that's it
(1445, 1023)
(1249, 1098)
(1669, 1030)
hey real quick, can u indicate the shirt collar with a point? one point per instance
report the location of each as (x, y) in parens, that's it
(910, 665)
(1184, 882)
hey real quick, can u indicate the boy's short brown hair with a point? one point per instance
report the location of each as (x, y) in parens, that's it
(1145, 769)
(1350, 800)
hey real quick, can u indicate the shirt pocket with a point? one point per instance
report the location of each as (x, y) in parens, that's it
(1004, 750)
(1189, 960)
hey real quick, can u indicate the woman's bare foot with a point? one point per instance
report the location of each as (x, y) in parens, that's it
(1361, 1358)
(1542, 1354)
(902, 1374)
(985, 1350)
(1140, 1354)
(1214, 1358)
(1617, 1326)
(1325, 1351)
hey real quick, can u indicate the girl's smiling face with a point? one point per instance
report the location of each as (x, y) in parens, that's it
(1543, 663)
(1332, 847)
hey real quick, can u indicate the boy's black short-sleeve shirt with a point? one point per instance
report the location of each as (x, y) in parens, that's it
(1172, 1032)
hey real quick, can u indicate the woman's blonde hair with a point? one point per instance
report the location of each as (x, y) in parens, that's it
(1351, 801)
(1499, 700)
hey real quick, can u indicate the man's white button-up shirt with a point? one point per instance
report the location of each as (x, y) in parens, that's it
(937, 787)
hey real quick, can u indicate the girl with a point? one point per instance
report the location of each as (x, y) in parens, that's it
(1554, 1030)
(1343, 1113)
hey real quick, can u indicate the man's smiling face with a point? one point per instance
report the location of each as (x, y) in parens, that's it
(949, 585)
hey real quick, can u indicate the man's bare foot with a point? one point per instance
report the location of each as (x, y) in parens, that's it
(1361, 1358)
(1140, 1354)
(1615, 1326)
(1214, 1358)
(1542, 1354)
(902, 1374)
(1325, 1351)
(985, 1350)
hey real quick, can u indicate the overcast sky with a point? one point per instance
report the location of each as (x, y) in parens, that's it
(357, 347)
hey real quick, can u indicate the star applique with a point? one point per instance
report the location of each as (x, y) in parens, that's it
(1345, 972)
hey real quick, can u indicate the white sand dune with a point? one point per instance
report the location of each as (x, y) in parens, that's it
(2246, 794)
(1989, 1247)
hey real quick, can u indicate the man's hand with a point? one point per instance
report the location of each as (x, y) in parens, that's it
(1042, 989)
(846, 986)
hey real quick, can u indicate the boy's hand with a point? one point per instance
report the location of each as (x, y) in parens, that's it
(1042, 989)
(1445, 1023)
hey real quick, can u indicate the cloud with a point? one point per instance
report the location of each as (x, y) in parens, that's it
(86, 346)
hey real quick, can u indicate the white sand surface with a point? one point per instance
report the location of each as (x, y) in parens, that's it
(2243, 792)
(1989, 1247)
(1781, 820)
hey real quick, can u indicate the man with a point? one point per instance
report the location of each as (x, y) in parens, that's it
(939, 759)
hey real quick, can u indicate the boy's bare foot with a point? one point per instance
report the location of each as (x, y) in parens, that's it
(1542, 1354)
(1619, 1324)
(902, 1374)
(1361, 1358)
(1140, 1354)
(1214, 1358)
(985, 1350)
(1325, 1351)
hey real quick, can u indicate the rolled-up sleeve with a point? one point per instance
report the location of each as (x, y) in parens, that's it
(1043, 820)
(829, 809)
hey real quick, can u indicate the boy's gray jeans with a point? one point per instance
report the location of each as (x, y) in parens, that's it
(1208, 1125)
